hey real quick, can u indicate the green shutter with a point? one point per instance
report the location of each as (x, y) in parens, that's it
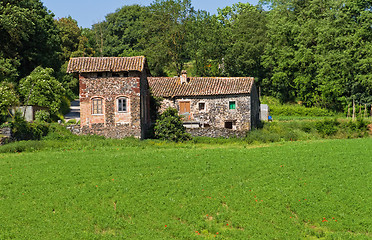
(232, 105)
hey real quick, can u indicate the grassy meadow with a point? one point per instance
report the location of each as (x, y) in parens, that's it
(128, 189)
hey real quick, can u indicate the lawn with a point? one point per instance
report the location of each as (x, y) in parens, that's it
(288, 190)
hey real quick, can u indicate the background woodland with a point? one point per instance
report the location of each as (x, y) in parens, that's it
(313, 52)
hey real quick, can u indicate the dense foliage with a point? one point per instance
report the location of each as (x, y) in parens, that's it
(316, 53)
(33, 45)
(169, 127)
(319, 52)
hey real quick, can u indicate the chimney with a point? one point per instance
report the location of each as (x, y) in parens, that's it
(183, 76)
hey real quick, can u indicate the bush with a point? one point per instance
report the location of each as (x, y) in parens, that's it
(279, 109)
(42, 116)
(59, 132)
(64, 105)
(23, 130)
(169, 127)
(298, 110)
(327, 127)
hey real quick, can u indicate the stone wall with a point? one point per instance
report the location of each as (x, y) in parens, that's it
(216, 111)
(5, 135)
(215, 132)
(110, 123)
(75, 129)
(119, 131)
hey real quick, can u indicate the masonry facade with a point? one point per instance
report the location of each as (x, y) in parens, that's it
(115, 99)
(114, 95)
(209, 103)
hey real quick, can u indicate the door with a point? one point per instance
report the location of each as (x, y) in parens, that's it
(185, 109)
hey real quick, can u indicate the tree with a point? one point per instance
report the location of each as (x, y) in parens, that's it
(169, 127)
(319, 51)
(41, 88)
(8, 70)
(8, 98)
(166, 35)
(205, 50)
(69, 33)
(28, 33)
(123, 31)
(246, 41)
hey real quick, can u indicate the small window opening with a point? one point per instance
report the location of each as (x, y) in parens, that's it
(232, 105)
(99, 75)
(97, 106)
(122, 104)
(126, 74)
(201, 106)
(114, 74)
(229, 125)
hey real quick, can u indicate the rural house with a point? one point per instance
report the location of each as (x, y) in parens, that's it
(114, 95)
(115, 99)
(210, 102)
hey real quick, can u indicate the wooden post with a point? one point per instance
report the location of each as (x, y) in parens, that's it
(365, 110)
(360, 110)
(353, 110)
(348, 111)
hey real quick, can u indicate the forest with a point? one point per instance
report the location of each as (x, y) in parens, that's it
(311, 52)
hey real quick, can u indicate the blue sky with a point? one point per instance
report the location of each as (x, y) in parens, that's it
(88, 12)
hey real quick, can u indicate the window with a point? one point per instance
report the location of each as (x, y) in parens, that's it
(122, 104)
(201, 106)
(229, 125)
(99, 75)
(97, 106)
(232, 105)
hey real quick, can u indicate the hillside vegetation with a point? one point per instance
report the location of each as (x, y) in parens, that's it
(155, 190)
(315, 53)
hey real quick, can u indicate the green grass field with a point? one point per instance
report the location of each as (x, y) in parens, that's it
(289, 190)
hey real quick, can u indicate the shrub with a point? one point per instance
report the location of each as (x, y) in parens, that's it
(22, 130)
(298, 110)
(64, 105)
(59, 132)
(169, 127)
(42, 116)
(327, 127)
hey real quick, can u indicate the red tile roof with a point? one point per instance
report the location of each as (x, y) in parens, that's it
(200, 86)
(106, 64)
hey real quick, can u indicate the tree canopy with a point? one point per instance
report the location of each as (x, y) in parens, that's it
(317, 53)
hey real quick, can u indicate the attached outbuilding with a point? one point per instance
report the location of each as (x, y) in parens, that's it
(210, 103)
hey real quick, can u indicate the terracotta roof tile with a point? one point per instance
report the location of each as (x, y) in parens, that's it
(106, 64)
(200, 86)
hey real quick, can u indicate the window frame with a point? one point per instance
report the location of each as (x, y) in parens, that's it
(205, 107)
(97, 106)
(126, 104)
(230, 104)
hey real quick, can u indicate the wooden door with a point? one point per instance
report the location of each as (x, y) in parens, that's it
(184, 107)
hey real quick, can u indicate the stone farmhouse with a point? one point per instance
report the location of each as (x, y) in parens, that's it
(114, 95)
(115, 99)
